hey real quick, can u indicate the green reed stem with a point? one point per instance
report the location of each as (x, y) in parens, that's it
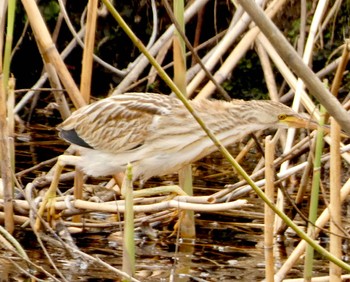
(128, 236)
(308, 264)
(11, 9)
(6, 120)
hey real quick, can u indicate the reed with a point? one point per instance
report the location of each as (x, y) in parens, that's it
(309, 256)
(7, 121)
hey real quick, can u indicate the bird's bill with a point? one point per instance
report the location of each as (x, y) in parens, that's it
(300, 122)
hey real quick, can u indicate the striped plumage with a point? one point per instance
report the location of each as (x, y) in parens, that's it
(157, 134)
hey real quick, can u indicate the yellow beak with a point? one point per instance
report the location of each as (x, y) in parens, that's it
(300, 122)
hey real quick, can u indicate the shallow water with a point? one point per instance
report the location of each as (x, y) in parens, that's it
(220, 253)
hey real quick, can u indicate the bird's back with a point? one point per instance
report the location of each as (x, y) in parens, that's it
(117, 123)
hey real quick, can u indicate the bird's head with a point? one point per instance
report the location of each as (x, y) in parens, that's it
(275, 114)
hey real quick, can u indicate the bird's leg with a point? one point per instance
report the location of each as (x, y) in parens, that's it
(49, 197)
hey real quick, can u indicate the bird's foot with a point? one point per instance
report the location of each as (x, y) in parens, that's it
(50, 195)
(183, 226)
(48, 203)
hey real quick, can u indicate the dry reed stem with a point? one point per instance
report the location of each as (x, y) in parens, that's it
(269, 214)
(86, 72)
(5, 161)
(85, 83)
(187, 221)
(143, 62)
(60, 99)
(18, 219)
(331, 13)
(180, 202)
(335, 177)
(159, 58)
(49, 51)
(79, 34)
(288, 75)
(246, 148)
(219, 50)
(304, 182)
(268, 72)
(237, 53)
(318, 279)
(335, 202)
(300, 88)
(186, 43)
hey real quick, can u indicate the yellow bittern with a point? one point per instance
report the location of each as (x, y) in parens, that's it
(157, 135)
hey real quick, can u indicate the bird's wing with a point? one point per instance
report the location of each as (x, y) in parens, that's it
(116, 124)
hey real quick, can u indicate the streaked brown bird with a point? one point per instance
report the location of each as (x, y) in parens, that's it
(157, 134)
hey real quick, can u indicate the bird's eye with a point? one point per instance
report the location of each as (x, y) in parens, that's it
(282, 117)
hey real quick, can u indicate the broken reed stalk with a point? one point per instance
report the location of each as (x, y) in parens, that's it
(269, 214)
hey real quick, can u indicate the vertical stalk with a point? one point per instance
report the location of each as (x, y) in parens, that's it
(128, 236)
(335, 174)
(314, 197)
(86, 73)
(85, 83)
(185, 174)
(269, 214)
(6, 151)
(335, 203)
(179, 48)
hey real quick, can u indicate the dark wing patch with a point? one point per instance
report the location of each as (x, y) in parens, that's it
(72, 137)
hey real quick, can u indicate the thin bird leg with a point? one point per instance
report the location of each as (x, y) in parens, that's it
(50, 195)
